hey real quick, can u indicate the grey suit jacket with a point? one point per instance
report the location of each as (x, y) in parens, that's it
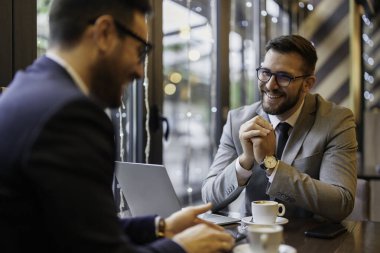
(316, 174)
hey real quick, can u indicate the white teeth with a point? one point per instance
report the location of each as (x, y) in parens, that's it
(272, 97)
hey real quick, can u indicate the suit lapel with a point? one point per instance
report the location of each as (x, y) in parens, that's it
(303, 125)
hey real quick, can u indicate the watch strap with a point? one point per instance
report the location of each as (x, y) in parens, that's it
(160, 227)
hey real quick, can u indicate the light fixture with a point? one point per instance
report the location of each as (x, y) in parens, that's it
(175, 77)
(184, 32)
(244, 23)
(170, 89)
(194, 55)
(310, 7)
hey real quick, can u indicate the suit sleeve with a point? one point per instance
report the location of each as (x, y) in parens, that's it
(70, 169)
(221, 185)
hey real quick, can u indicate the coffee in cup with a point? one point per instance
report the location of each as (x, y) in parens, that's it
(266, 211)
(264, 238)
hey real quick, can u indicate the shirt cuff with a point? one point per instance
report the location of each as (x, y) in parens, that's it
(242, 174)
(270, 178)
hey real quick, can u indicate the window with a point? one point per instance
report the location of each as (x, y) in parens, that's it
(189, 72)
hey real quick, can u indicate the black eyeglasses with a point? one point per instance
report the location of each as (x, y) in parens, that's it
(146, 46)
(264, 75)
(145, 49)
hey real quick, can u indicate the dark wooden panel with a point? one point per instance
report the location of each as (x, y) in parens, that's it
(5, 42)
(155, 76)
(222, 102)
(25, 33)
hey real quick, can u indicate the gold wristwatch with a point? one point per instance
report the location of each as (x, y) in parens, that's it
(269, 163)
(160, 229)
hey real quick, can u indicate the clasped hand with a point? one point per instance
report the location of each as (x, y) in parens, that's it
(258, 139)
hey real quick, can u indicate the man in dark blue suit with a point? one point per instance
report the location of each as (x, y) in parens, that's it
(57, 145)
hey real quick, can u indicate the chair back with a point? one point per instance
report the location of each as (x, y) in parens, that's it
(361, 208)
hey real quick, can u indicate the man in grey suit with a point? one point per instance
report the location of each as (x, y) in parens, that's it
(315, 174)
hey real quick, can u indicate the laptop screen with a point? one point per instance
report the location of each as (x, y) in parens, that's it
(147, 189)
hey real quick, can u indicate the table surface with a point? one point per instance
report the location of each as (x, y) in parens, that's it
(361, 236)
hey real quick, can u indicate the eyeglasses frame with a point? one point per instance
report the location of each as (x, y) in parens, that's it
(147, 46)
(291, 78)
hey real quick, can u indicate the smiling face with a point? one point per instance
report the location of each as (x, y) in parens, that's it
(119, 64)
(284, 101)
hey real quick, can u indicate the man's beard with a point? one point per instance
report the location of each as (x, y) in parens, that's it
(284, 107)
(105, 86)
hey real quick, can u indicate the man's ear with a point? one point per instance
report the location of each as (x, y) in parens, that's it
(104, 33)
(309, 83)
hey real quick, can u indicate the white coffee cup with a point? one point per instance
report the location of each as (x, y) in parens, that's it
(266, 211)
(264, 238)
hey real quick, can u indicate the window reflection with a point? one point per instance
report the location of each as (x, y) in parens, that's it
(371, 79)
(242, 54)
(371, 93)
(42, 26)
(188, 72)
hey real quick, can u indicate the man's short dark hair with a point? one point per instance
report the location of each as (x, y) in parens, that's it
(69, 18)
(295, 44)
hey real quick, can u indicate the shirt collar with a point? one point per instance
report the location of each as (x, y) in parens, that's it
(74, 75)
(291, 120)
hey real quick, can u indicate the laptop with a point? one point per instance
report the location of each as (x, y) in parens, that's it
(148, 190)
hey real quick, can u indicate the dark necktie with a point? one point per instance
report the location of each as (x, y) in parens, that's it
(283, 128)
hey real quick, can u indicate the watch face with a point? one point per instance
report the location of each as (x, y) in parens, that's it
(270, 162)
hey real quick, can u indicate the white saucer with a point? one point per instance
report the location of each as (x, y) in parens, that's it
(279, 220)
(244, 248)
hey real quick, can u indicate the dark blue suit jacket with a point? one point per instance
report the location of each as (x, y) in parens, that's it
(56, 169)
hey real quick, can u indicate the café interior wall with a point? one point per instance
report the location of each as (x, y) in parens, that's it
(335, 29)
(329, 28)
